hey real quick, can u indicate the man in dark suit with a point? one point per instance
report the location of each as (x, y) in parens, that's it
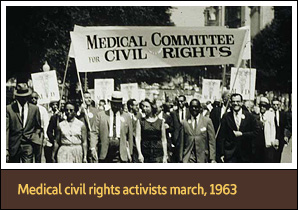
(238, 130)
(281, 125)
(177, 116)
(23, 128)
(197, 137)
(133, 111)
(112, 132)
(219, 108)
(168, 126)
(87, 115)
(57, 117)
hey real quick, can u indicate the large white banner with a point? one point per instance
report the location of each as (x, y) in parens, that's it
(210, 90)
(245, 82)
(130, 91)
(103, 89)
(152, 47)
(46, 85)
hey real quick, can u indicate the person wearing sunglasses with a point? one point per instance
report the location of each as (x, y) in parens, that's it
(44, 115)
(266, 145)
(72, 138)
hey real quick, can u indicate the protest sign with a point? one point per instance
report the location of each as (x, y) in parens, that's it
(46, 85)
(103, 89)
(129, 91)
(152, 47)
(210, 90)
(245, 82)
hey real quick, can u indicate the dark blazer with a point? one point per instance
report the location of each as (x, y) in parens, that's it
(177, 125)
(15, 133)
(280, 133)
(53, 125)
(215, 116)
(238, 149)
(100, 135)
(203, 139)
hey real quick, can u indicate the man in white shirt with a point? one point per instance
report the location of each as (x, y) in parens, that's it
(23, 128)
(197, 137)
(238, 130)
(44, 115)
(168, 126)
(281, 124)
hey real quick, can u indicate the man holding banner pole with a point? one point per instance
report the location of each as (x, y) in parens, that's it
(87, 111)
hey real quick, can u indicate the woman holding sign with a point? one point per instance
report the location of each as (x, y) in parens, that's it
(151, 136)
(72, 138)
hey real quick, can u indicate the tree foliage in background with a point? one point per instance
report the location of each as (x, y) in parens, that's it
(272, 53)
(38, 34)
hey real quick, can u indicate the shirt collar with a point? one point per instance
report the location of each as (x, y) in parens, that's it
(20, 106)
(239, 113)
(192, 117)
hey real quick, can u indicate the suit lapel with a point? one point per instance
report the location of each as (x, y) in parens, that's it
(231, 120)
(243, 121)
(189, 127)
(15, 108)
(199, 124)
(29, 113)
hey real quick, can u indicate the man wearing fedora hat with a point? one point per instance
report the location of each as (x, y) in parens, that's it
(23, 127)
(112, 133)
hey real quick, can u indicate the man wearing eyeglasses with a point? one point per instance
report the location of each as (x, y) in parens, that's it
(239, 129)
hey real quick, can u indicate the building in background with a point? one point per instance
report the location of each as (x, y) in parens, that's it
(255, 18)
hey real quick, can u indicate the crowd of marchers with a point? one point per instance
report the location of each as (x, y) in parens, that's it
(152, 131)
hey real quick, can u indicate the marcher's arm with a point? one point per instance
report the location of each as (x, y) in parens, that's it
(211, 140)
(164, 142)
(138, 141)
(84, 143)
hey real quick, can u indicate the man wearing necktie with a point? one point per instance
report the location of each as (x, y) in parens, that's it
(112, 132)
(280, 125)
(238, 130)
(23, 128)
(87, 115)
(197, 137)
(177, 116)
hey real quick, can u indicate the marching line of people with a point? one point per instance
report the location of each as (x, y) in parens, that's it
(227, 131)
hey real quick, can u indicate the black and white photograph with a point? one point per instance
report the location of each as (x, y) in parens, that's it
(188, 83)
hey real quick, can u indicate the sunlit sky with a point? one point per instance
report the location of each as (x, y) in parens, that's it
(188, 16)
